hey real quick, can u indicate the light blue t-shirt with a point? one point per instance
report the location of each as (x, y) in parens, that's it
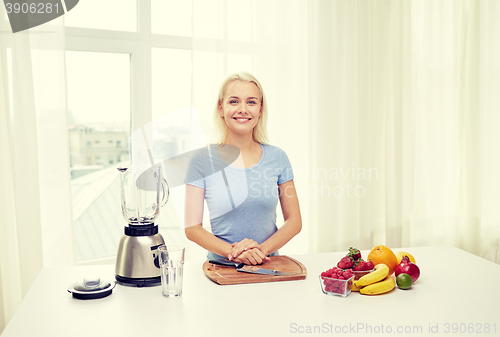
(241, 202)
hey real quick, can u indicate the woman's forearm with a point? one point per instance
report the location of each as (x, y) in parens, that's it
(285, 233)
(207, 240)
(291, 214)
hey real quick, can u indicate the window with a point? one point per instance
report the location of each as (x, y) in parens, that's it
(108, 80)
(122, 74)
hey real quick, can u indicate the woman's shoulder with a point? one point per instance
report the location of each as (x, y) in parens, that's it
(198, 156)
(214, 157)
(273, 150)
(277, 155)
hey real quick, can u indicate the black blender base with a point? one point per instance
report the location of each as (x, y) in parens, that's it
(138, 282)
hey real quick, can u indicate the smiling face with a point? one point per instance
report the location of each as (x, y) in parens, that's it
(241, 107)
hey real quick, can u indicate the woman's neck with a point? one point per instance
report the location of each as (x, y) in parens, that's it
(244, 143)
(250, 151)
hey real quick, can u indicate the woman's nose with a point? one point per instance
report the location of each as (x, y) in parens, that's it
(243, 108)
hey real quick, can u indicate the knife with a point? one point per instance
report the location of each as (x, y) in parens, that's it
(248, 269)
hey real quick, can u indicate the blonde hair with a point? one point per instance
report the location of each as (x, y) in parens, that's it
(260, 131)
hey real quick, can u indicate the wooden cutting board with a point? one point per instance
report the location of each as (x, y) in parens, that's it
(229, 275)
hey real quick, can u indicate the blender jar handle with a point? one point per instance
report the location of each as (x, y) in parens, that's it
(165, 190)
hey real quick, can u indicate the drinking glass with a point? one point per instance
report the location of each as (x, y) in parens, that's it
(171, 259)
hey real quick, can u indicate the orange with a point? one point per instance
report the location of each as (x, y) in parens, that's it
(383, 254)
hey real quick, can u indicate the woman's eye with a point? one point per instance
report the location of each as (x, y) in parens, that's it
(252, 102)
(233, 101)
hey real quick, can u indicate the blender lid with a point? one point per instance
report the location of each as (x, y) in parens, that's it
(91, 288)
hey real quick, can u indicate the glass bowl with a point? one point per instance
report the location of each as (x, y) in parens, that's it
(336, 287)
(359, 274)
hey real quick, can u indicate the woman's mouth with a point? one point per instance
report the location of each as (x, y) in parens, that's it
(241, 120)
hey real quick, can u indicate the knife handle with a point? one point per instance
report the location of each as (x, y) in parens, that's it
(227, 263)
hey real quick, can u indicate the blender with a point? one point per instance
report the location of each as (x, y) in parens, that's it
(137, 261)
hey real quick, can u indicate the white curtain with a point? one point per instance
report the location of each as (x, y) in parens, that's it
(387, 109)
(408, 92)
(35, 209)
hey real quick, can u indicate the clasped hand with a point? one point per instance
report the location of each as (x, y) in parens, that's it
(247, 251)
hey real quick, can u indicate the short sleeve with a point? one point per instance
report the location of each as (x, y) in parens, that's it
(195, 172)
(286, 168)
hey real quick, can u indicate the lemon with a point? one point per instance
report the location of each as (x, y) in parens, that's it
(404, 281)
(399, 256)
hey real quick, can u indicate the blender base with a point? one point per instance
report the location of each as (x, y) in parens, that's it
(138, 282)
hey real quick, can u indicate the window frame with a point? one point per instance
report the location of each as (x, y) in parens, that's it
(139, 45)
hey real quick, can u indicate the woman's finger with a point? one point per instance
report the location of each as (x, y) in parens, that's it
(242, 246)
(251, 259)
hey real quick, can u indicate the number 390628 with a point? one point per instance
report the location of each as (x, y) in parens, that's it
(32, 8)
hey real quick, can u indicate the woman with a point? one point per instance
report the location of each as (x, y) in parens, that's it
(242, 198)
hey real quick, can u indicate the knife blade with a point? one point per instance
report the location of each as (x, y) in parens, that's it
(248, 269)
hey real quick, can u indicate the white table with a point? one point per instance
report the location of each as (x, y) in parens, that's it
(454, 287)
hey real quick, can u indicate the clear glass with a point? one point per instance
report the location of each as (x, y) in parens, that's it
(336, 287)
(171, 259)
(118, 15)
(140, 193)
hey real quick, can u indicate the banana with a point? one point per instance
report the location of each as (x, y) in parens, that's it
(354, 288)
(381, 271)
(379, 287)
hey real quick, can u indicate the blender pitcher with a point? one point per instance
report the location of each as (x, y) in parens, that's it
(137, 261)
(140, 193)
